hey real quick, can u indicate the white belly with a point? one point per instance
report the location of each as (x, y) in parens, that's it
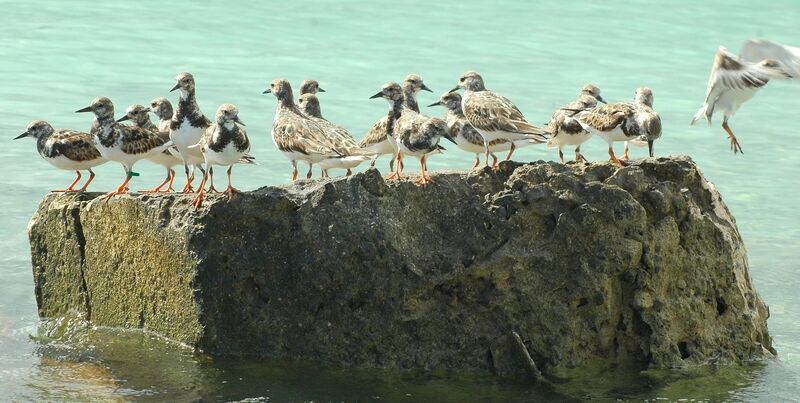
(489, 136)
(730, 101)
(227, 156)
(343, 163)
(465, 145)
(384, 147)
(165, 160)
(62, 162)
(564, 139)
(185, 136)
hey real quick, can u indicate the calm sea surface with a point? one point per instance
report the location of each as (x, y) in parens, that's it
(56, 56)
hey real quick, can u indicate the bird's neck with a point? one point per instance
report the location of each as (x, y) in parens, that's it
(410, 98)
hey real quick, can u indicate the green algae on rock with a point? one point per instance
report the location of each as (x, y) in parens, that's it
(534, 268)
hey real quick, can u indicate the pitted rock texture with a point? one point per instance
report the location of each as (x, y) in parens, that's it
(530, 268)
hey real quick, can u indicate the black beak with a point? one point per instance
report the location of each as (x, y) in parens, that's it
(86, 109)
(449, 137)
(124, 118)
(454, 89)
(435, 104)
(320, 90)
(21, 136)
(267, 91)
(239, 121)
(175, 87)
(425, 87)
(650, 147)
(600, 99)
(378, 95)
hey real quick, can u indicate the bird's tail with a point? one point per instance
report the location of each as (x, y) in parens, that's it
(534, 133)
(248, 159)
(702, 112)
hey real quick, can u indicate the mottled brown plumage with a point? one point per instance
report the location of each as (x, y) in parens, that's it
(65, 149)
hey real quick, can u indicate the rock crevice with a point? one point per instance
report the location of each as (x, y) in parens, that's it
(531, 268)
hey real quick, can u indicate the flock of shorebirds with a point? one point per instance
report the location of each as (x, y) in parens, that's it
(480, 122)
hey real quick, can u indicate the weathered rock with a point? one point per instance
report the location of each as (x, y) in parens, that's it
(535, 267)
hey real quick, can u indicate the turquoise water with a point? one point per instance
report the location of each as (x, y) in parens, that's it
(57, 57)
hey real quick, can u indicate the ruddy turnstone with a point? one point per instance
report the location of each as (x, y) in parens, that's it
(296, 136)
(162, 108)
(120, 143)
(187, 126)
(379, 138)
(411, 86)
(310, 87)
(419, 136)
(224, 143)
(140, 116)
(494, 116)
(733, 81)
(624, 121)
(565, 130)
(309, 104)
(70, 150)
(466, 137)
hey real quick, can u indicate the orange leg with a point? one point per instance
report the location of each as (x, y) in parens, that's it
(424, 179)
(396, 175)
(71, 187)
(201, 193)
(157, 189)
(614, 158)
(735, 146)
(309, 174)
(86, 185)
(495, 162)
(122, 189)
(625, 153)
(230, 190)
(477, 162)
(561, 155)
(486, 159)
(189, 179)
(171, 179)
(294, 171)
(511, 151)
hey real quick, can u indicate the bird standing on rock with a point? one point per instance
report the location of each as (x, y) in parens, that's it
(624, 121)
(565, 130)
(120, 143)
(494, 116)
(419, 137)
(187, 127)
(223, 143)
(294, 134)
(70, 150)
(466, 137)
(309, 104)
(140, 116)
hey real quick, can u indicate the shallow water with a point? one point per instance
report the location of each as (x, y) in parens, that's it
(56, 58)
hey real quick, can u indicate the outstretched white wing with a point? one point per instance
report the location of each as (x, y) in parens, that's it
(755, 51)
